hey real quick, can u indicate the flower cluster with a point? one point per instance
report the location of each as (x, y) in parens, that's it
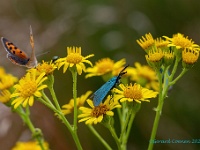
(29, 86)
(6, 83)
(164, 51)
(125, 88)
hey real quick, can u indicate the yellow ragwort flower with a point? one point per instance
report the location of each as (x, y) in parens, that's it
(7, 81)
(154, 55)
(168, 57)
(180, 42)
(105, 66)
(160, 43)
(31, 145)
(47, 67)
(134, 92)
(190, 56)
(74, 58)
(144, 75)
(28, 87)
(4, 96)
(96, 114)
(146, 41)
(68, 108)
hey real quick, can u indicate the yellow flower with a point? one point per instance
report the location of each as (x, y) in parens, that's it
(105, 66)
(160, 43)
(96, 114)
(144, 75)
(154, 55)
(31, 145)
(2, 72)
(74, 58)
(154, 58)
(180, 42)
(4, 96)
(68, 108)
(47, 67)
(28, 87)
(189, 56)
(134, 93)
(168, 57)
(146, 42)
(7, 81)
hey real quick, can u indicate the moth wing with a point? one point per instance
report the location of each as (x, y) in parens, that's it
(101, 93)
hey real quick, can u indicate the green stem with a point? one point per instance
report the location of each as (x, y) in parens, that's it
(75, 127)
(112, 131)
(158, 112)
(128, 124)
(99, 137)
(74, 76)
(62, 117)
(36, 133)
(174, 69)
(47, 101)
(135, 109)
(180, 75)
(51, 89)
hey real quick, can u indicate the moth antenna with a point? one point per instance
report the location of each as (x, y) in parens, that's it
(122, 71)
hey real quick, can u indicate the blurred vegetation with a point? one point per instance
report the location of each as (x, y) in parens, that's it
(107, 29)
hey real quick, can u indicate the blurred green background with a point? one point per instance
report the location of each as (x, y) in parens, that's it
(107, 28)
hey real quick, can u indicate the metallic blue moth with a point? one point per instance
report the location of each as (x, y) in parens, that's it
(101, 93)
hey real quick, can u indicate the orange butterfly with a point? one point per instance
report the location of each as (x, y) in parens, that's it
(19, 57)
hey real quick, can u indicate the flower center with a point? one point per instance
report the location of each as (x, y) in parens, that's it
(133, 92)
(74, 58)
(146, 42)
(105, 65)
(28, 89)
(190, 56)
(155, 56)
(181, 41)
(99, 110)
(45, 67)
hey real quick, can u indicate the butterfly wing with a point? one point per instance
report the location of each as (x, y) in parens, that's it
(16, 60)
(101, 93)
(15, 55)
(33, 60)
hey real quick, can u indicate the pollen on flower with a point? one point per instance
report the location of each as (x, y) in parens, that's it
(155, 56)
(47, 67)
(146, 41)
(29, 86)
(190, 56)
(28, 89)
(179, 41)
(137, 94)
(160, 43)
(134, 92)
(96, 114)
(74, 57)
(99, 110)
(104, 65)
